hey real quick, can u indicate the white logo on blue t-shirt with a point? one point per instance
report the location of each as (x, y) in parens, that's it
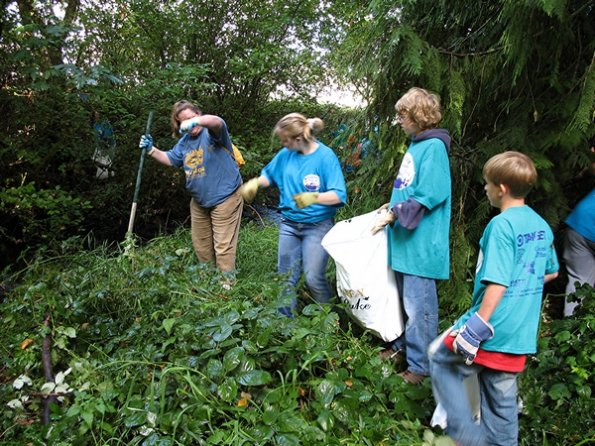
(312, 183)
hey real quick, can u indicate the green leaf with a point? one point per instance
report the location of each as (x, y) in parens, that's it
(287, 440)
(167, 324)
(254, 378)
(70, 332)
(559, 391)
(88, 418)
(325, 392)
(214, 368)
(270, 415)
(157, 440)
(222, 333)
(136, 418)
(228, 390)
(233, 358)
(325, 420)
(563, 336)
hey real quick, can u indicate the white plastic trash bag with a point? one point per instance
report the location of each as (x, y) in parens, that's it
(471, 391)
(364, 280)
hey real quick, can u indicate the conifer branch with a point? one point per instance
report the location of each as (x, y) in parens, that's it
(473, 53)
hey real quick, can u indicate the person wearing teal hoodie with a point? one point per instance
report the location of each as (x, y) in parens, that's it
(418, 227)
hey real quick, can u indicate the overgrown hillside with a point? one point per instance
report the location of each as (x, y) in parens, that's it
(142, 346)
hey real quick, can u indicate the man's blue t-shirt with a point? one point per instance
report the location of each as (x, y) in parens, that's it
(212, 173)
(292, 173)
(424, 176)
(582, 217)
(516, 251)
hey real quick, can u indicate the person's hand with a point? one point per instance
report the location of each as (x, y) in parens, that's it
(470, 336)
(249, 189)
(381, 208)
(146, 142)
(305, 199)
(383, 220)
(189, 124)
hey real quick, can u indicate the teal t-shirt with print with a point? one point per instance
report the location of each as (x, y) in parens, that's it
(516, 251)
(424, 176)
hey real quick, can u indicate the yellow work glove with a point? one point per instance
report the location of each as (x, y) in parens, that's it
(249, 189)
(382, 221)
(305, 199)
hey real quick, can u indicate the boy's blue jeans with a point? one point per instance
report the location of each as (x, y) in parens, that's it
(420, 304)
(299, 245)
(499, 410)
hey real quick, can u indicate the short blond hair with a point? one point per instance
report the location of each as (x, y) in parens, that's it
(420, 106)
(512, 169)
(296, 124)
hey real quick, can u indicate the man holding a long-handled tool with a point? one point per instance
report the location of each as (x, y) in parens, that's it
(212, 179)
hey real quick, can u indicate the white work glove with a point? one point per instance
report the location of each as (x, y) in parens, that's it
(470, 336)
(189, 124)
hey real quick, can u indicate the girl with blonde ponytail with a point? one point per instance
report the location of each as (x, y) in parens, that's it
(311, 189)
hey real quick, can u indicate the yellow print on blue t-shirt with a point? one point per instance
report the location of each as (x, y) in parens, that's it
(194, 163)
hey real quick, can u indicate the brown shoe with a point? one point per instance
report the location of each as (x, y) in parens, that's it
(411, 377)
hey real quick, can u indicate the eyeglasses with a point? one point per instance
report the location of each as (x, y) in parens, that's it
(401, 117)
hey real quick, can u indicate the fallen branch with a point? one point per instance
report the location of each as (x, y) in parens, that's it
(256, 212)
(48, 371)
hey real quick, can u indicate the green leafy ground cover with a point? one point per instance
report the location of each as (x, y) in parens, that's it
(147, 348)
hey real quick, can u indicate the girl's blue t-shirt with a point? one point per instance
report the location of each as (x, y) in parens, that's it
(212, 173)
(424, 176)
(516, 251)
(292, 173)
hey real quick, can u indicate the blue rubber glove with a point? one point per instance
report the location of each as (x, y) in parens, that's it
(470, 336)
(189, 124)
(146, 142)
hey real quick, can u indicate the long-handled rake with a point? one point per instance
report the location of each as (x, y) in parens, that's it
(138, 179)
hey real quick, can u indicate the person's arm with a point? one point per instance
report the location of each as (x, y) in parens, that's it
(328, 198)
(549, 277)
(491, 299)
(478, 328)
(146, 144)
(213, 123)
(263, 182)
(159, 155)
(250, 188)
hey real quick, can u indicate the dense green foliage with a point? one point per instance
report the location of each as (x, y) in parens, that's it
(63, 73)
(560, 381)
(511, 75)
(147, 348)
(154, 351)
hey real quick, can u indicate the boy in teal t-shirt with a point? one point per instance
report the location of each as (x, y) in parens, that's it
(491, 340)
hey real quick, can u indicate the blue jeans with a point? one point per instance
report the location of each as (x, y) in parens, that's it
(420, 305)
(498, 390)
(299, 245)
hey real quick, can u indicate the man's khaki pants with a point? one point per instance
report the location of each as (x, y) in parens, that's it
(215, 231)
